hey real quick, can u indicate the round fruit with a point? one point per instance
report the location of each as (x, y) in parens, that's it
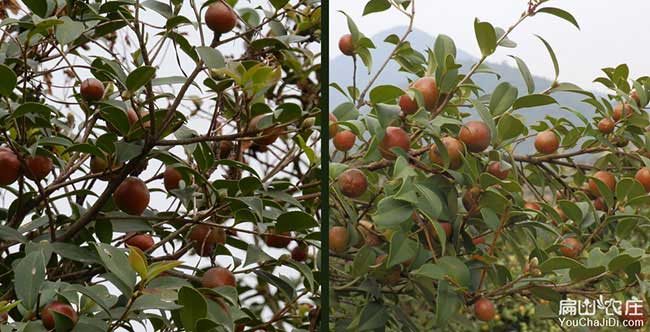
(484, 310)
(38, 167)
(9, 167)
(547, 142)
(63, 308)
(494, 168)
(606, 125)
(571, 247)
(346, 45)
(218, 277)
(339, 239)
(92, 89)
(618, 111)
(353, 183)
(633, 314)
(206, 238)
(132, 196)
(454, 152)
(333, 128)
(101, 165)
(599, 204)
(141, 241)
(220, 17)
(429, 89)
(478, 240)
(281, 240)
(395, 137)
(532, 206)
(606, 177)
(643, 176)
(476, 135)
(447, 227)
(268, 135)
(344, 141)
(407, 104)
(172, 178)
(471, 198)
(225, 149)
(299, 253)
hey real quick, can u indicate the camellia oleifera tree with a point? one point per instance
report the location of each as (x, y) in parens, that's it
(438, 221)
(158, 165)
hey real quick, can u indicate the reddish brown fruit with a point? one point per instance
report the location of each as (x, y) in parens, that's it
(471, 198)
(395, 137)
(606, 177)
(132, 196)
(532, 206)
(617, 115)
(299, 253)
(9, 167)
(38, 167)
(606, 125)
(339, 239)
(478, 240)
(429, 89)
(220, 17)
(353, 183)
(643, 176)
(494, 168)
(455, 151)
(484, 309)
(346, 45)
(476, 135)
(101, 165)
(267, 136)
(599, 204)
(333, 128)
(218, 277)
(172, 178)
(225, 149)
(547, 142)
(275, 241)
(571, 247)
(141, 241)
(448, 228)
(407, 104)
(634, 315)
(205, 238)
(344, 141)
(92, 89)
(65, 309)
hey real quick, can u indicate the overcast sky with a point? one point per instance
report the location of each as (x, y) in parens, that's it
(612, 32)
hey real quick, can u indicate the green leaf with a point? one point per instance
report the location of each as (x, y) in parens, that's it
(387, 114)
(211, 57)
(533, 100)
(373, 316)
(447, 266)
(194, 308)
(486, 37)
(525, 73)
(115, 261)
(280, 283)
(364, 258)
(556, 66)
(295, 221)
(69, 31)
(137, 261)
(32, 108)
(376, 6)
(8, 81)
(38, 7)
(279, 4)
(392, 212)
(139, 77)
(159, 7)
(10, 234)
(558, 263)
(448, 302)
(385, 93)
(402, 248)
(503, 96)
(29, 275)
(561, 13)
(157, 268)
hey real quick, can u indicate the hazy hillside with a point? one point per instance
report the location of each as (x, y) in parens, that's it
(341, 69)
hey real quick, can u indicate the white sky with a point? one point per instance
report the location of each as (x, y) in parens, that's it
(612, 32)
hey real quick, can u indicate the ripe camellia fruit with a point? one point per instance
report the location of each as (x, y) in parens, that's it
(532, 206)
(62, 308)
(395, 137)
(447, 227)
(643, 176)
(606, 125)
(407, 104)
(547, 142)
(478, 240)
(9, 167)
(277, 240)
(218, 277)
(132, 196)
(220, 17)
(299, 253)
(476, 135)
(634, 314)
(344, 141)
(599, 204)
(494, 168)
(172, 178)
(571, 247)
(38, 167)
(606, 177)
(618, 112)
(339, 239)
(141, 241)
(353, 183)
(92, 89)
(268, 135)
(484, 309)
(206, 238)
(429, 89)
(455, 151)
(333, 128)
(346, 45)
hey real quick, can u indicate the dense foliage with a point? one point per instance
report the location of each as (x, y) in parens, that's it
(158, 165)
(439, 221)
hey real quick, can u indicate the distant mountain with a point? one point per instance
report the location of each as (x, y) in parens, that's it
(341, 68)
